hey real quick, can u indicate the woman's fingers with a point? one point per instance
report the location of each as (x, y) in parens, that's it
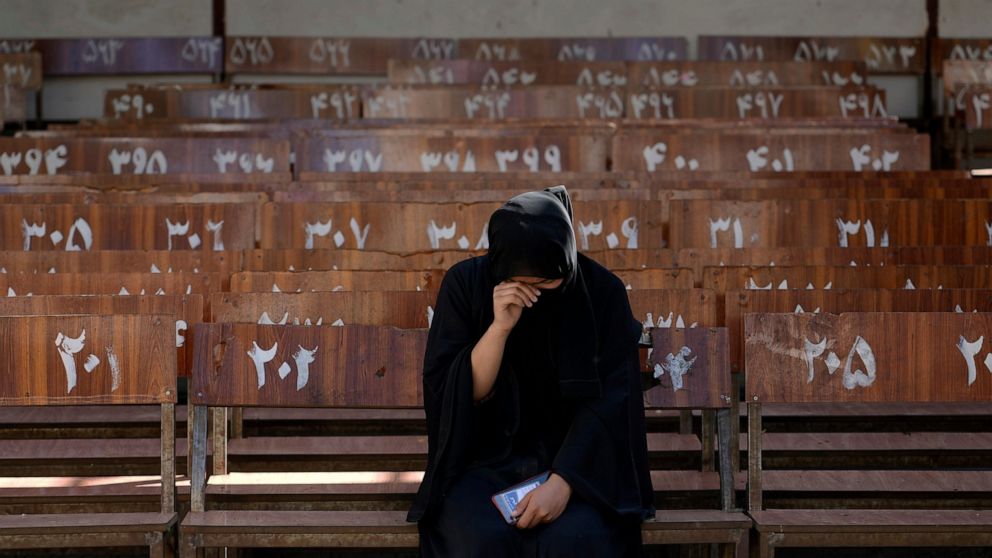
(527, 291)
(512, 297)
(521, 506)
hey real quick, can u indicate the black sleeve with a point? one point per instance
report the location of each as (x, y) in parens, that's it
(604, 455)
(456, 425)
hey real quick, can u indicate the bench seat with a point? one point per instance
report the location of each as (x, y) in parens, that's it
(856, 527)
(86, 530)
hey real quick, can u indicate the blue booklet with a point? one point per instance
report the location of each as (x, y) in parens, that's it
(507, 500)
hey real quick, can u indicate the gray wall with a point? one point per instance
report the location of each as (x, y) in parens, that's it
(82, 97)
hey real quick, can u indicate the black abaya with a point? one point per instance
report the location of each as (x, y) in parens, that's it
(566, 399)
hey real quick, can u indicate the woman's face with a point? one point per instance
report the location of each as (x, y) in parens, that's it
(537, 282)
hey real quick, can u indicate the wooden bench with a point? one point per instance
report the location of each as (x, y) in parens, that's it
(83, 227)
(25, 285)
(723, 279)
(203, 526)
(672, 73)
(406, 228)
(902, 358)
(844, 223)
(137, 367)
(144, 156)
(882, 55)
(761, 150)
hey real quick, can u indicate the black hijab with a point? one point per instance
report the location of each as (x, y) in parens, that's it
(532, 235)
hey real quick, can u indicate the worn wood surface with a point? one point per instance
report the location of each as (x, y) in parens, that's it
(407, 228)
(23, 284)
(301, 259)
(119, 55)
(692, 367)
(84, 227)
(143, 156)
(408, 310)
(880, 54)
(761, 150)
(778, 278)
(844, 223)
(21, 71)
(883, 357)
(107, 261)
(429, 152)
(327, 55)
(671, 73)
(739, 303)
(325, 366)
(186, 310)
(61, 348)
(329, 281)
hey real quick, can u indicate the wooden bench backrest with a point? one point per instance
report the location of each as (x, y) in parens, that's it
(426, 152)
(307, 366)
(205, 227)
(300, 259)
(636, 279)
(739, 303)
(123, 56)
(950, 49)
(761, 150)
(112, 283)
(524, 73)
(884, 55)
(412, 227)
(588, 49)
(143, 156)
(325, 281)
(878, 357)
(105, 261)
(185, 311)
(21, 71)
(88, 360)
(692, 367)
(766, 224)
(723, 279)
(325, 102)
(582, 102)
(675, 308)
(978, 106)
(403, 309)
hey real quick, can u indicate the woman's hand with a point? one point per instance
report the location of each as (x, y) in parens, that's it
(509, 300)
(544, 504)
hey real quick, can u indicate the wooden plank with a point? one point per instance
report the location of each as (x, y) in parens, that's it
(301, 259)
(765, 103)
(675, 308)
(905, 357)
(185, 310)
(431, 102)
(709, 73)
(84, 227)
(760, 150)
(950, 49)
(739, 303)
(329, 281)
(350, 366)
(520, 73)
(112, 283)
(22, 71)
(636, 279)
(324, 102)
(409, 310)
(574, 48)
(327, 55)
(875, 521)
(421, 227)
(143, 156)
(420, 151)
(882, 55)
(723, 279)
(119, 55)
(691, 367)
(123, 261)
(844, 223)
(125, 359)
(977, 102)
